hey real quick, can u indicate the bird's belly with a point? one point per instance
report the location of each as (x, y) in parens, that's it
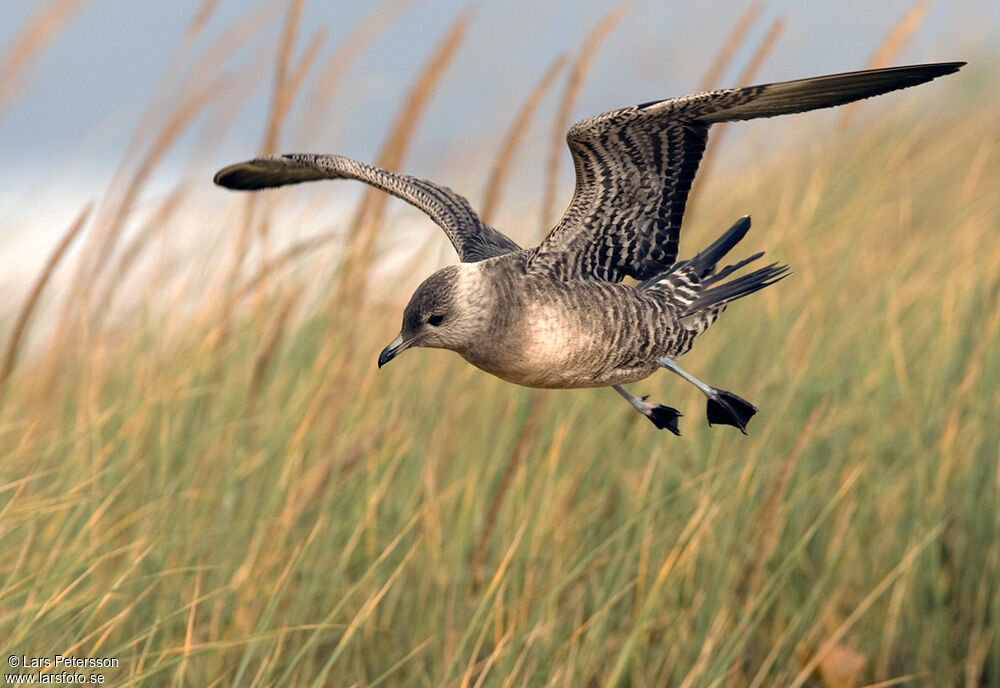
(549, 378)
(550, 350)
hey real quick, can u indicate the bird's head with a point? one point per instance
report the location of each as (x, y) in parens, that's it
(443, 313)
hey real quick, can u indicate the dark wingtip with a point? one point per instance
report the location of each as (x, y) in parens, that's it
(933, 70)
(238, 177)
(948, 67)
(928, 70)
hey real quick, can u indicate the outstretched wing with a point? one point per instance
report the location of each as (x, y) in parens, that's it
(473, 239)
(634, 167)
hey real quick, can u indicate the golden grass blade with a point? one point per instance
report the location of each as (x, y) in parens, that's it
(367, 609)
(121, 193)
(340, 61)
(280, 97)
(134, 248)
(495, 582)
(24, 316)
(265, 355)
(972, 177)
(29, 42)
(198, 85)
(160, 146)
(768, 533)
(685, 546)
(157, 107)
(576, 78)
(228, 43)
(189, 630)
(287, 82)
(729, 47)
(220, 119)
(288, 79)
(897, 681)
(294, 251)
(286, 257)
(96, 255)
(305, 63)
(194, 30)
(905, 563)
(475, 653)
(763, 50)
(718, 131)
(887, 51)
(368, 217)
(511, 141)
(223, 115)
(721, 626)
(115, 211)
(268, 349)
(525, 439)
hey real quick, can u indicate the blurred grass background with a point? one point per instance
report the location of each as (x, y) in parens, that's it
(205, 475)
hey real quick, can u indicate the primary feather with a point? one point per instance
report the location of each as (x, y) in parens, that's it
(634, 167)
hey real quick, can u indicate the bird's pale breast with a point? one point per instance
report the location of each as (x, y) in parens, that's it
(575, 334)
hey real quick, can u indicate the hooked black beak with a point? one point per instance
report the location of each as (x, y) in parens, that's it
(396, 347)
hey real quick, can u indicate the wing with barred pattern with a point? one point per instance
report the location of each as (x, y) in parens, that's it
(473, 239)
(634, 168)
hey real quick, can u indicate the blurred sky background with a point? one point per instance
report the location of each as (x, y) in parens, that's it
(75, 112)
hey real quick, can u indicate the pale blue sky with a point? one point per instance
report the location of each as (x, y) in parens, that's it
(82, 100)
(103, 68)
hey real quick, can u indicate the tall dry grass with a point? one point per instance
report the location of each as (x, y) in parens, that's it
(500, 171)
(746, 77)
(223, 490)
(727, 51)
(45, 24)
(368, 219)
(890, 47)
(342, 58)
(34, 295)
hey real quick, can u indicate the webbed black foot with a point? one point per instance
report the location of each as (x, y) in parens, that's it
(726, 408)
(664, 417)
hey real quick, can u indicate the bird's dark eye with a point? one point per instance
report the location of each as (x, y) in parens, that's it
(435, 320)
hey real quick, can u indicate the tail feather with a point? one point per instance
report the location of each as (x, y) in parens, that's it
(695, 269)
(696, 289)
(706, 260)
(715, 297)
(729, 269)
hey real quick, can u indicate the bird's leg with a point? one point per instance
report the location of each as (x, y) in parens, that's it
(723, 407)
(662, 417)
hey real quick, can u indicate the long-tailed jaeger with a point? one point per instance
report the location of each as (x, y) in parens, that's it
(558, 315)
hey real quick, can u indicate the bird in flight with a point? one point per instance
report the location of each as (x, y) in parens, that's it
(558, 315)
